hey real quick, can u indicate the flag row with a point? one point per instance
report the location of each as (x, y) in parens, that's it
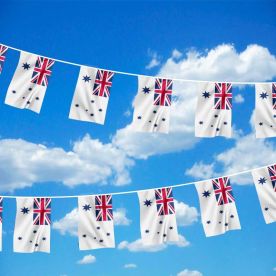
(152, 104)
(157, 214)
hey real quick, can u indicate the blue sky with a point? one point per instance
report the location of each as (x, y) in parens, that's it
(200, 40)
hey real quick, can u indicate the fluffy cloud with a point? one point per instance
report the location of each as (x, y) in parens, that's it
(69, 223)
(187, 272)
(247, 153)
(223, 62)
(88, 259)
(23, 163)
(120, 217)
(185, 215)
(130, 266)
(238, 98)
(138, 246)
(155, 60)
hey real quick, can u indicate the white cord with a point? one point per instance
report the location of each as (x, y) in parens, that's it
(135, 191)
(137, 75)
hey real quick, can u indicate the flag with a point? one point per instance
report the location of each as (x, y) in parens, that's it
(265, 183)
(3, 50)
(96, 228)
(32, 225)
(1, 221)
(152, 105)
(91, 95)
(214, 110)
(265, 114)
(30, 80)
(218, 208)
(157, 216)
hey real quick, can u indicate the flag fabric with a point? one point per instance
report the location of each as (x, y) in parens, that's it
(265, 110)
(32, 225)
(217, 204)
(96, 228)
(30, 81)
(157, 216)
(91, 95)
(265, 183)
(152, 105)
(1, 221)
(214, 110)
(3, 50)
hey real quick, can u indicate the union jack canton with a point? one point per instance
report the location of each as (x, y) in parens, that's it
(42, 211)
(223, 96)
(274, 95)
(163, 92)
(223, 190)
(103, 207)
(42, 71)
(103, 83)
(3, 50)
(272, 174)
(164, 201)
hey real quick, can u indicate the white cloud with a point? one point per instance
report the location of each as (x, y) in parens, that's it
(130, 266)
(274, 269)
(187, 272)
(223, 63)
(238, 98)
(23, 163)
(155, 60)
(88, 259)
(247, 153)
(176, 54)
(137, 245)
(69, 223)
(201, 171)
(120, 217)
(185, 215)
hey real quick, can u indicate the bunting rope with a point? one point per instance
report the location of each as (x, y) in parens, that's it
(137, 75)
(141, 190)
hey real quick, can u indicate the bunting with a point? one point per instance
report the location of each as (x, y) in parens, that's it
(152, 103)
(158, 213)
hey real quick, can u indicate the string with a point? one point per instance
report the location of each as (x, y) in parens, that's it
(138, 75)
(141, 190)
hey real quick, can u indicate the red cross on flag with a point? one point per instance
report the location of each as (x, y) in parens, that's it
(30, 81)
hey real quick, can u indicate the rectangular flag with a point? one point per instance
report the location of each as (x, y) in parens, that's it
(1, 221)
(157, 216)
(218, 208)
(96, 228)
(214, 110)
(91, 95)
(32, 225)
(29, 83)
(3, 50)
(152, 105)
(265, 110)
(265, 183)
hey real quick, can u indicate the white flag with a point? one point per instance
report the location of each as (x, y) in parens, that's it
(157, 216)
(30, 81)
(1, 221)
(3, 50)
(32, 225)
(96, 228)
(91, 95)
(152, 105)
(214, 110)
(265, 114)
(265, 183)
(218, 208)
